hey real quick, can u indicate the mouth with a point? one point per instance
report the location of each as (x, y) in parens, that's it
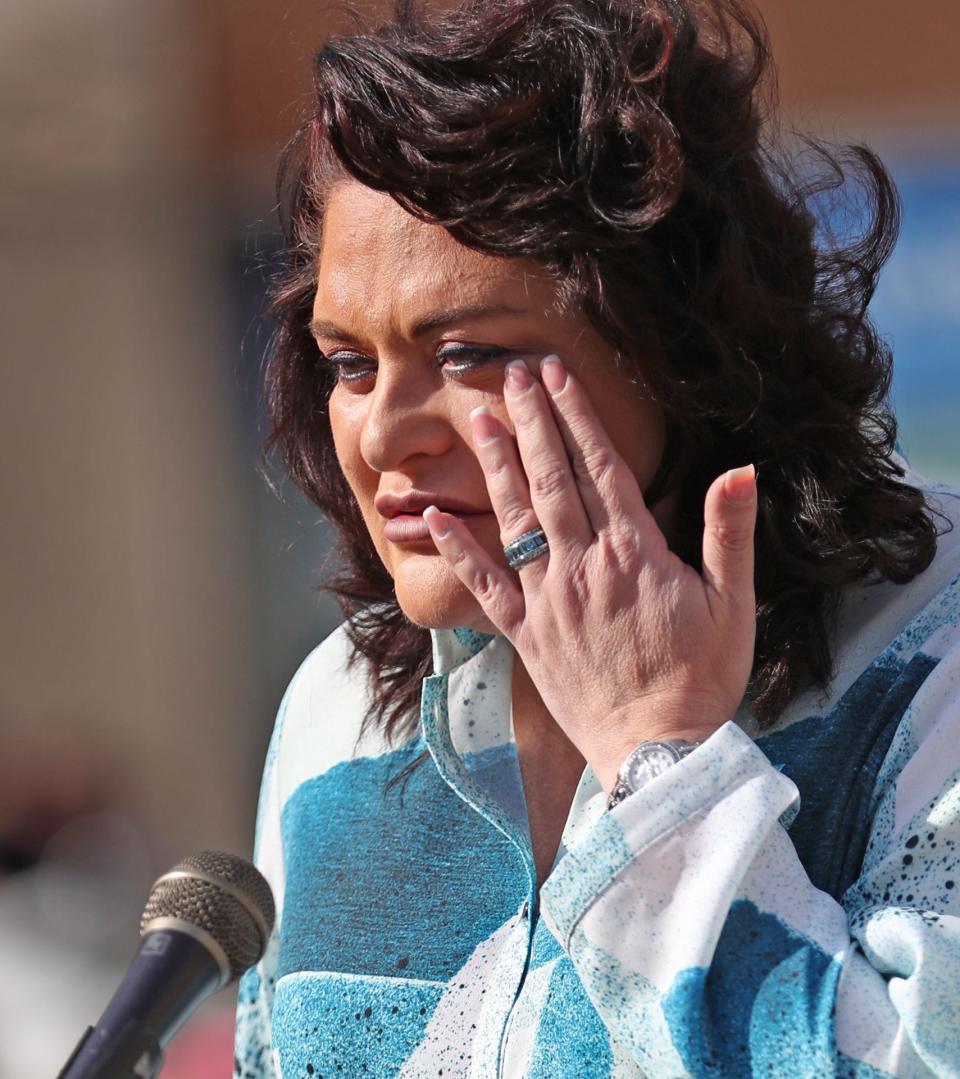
(412, 528)
(404, 514)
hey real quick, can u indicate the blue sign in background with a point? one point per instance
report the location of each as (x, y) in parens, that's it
(917, 308)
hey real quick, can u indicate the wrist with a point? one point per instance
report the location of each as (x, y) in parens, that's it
(690, 716)
(606, 767)
(645, 764)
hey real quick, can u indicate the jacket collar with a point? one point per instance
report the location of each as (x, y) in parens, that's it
(454, 647)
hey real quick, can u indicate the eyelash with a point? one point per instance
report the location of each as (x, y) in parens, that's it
(341, 361)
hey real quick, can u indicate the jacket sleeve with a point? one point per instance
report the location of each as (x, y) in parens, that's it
(253, 1054)
(706, 949)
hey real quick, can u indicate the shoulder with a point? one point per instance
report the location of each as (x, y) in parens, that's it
(869, 750)
(891, 623)
(321, 715)
(883, 628)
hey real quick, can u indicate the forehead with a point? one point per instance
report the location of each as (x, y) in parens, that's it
(378, 262)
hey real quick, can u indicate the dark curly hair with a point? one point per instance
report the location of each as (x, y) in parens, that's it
(628, 147)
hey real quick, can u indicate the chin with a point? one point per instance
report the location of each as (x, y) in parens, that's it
(433, 597)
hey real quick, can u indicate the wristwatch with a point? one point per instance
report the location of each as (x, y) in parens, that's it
(649, 759)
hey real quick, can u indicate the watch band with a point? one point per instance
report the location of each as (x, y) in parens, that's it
(668, 752)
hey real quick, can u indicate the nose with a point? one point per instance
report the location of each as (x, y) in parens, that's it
(405, 417)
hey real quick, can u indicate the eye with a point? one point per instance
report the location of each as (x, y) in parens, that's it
(455, 360)
(460, 359)
(349, 366)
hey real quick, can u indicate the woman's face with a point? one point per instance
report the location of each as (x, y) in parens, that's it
(419, 329)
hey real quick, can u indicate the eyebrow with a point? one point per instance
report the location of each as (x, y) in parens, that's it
(432, 320)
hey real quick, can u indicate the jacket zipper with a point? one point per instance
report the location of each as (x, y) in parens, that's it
(524, 914)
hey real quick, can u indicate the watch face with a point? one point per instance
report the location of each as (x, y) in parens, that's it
(650, 762)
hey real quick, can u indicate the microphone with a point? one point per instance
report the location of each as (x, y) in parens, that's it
(205, 923)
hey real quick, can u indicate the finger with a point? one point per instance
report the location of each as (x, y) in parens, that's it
(607, 487)
(730, 516)
(554, 496)
(506, 484)
(493, 586)
(504, 475)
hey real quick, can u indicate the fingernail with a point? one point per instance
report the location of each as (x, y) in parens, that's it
(739, 484)
(485, 427)
(434, 522)
(553, 373)
(518, 375)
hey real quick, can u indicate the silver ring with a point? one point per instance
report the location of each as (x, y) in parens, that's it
(526, 548)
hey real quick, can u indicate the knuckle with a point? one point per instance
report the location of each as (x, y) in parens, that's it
(548, 483)
(527, 418)
(578, 582)
(594, 461)
(484, 588)
(623, 542)
(619, 551)
(460, 558)
(497, 469)
(731, 538)
(515, 519)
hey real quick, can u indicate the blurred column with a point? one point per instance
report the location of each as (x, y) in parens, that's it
(124, 549)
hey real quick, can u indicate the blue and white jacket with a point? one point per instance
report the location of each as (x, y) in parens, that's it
(779, 903)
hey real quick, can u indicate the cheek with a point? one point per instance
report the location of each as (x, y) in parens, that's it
(636, 431)
(344, 443)
(346, 428)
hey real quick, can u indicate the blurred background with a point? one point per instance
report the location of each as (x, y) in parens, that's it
(156, 595)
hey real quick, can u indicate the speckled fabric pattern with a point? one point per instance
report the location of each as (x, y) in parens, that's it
(777, 904)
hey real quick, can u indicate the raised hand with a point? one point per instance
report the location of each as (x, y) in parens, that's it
(623, 640)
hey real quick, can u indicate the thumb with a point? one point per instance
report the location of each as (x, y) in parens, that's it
(730, 517)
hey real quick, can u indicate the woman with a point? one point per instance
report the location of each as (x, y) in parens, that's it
(621, 764)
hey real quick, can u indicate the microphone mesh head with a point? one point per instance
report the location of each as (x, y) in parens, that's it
(203, 893)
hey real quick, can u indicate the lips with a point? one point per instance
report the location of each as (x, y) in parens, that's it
(415, 502)
(404, 513)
